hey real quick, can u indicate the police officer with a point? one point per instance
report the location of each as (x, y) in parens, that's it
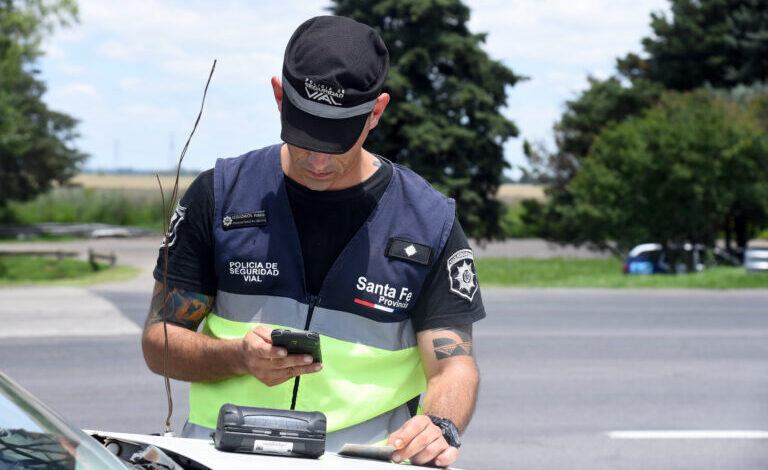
(319, 234)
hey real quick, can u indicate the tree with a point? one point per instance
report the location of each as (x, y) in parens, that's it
(741, 220)
(672, 175)
(444, 119)
(748, 38)
(36, 143)
(722, 43)
(603, 102)
(687, 50)
(713, 43)
(704, 42)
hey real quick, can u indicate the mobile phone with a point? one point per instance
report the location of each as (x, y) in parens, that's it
(298, 342)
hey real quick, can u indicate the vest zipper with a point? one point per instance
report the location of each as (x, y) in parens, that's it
(313, 301)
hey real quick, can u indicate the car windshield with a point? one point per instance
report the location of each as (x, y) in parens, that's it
(31, 436)
(652, 255)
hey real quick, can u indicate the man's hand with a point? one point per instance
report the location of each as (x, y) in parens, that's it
(272, 365)
(452, 378)
(422, 442)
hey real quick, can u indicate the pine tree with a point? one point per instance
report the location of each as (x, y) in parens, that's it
(748, 41)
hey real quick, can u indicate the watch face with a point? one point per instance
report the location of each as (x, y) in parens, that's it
(453, 434)
(450, 432)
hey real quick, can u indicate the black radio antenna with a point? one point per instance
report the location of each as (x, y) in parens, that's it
(167, 211)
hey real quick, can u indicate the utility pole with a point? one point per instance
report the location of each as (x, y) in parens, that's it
(116, 154)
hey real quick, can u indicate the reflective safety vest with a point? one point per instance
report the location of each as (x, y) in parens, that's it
(371, 365)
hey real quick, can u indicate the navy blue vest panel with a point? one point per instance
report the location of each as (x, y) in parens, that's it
(257, 249)
(262, 259)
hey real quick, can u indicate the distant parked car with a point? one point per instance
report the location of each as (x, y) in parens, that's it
(649, 258)
(756, 260)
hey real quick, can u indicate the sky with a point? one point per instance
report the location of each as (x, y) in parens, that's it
(133, 71)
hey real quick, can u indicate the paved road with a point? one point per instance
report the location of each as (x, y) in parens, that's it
(562, 369)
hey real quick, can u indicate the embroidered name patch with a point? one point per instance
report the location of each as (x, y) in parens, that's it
(409, 251)
(245, 219)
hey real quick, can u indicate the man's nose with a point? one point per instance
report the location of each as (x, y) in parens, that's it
(319, 160)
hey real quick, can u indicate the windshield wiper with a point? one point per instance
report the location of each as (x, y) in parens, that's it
(19, 447)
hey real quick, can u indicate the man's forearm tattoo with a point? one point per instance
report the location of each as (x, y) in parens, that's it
(182, 307)
(453, 341)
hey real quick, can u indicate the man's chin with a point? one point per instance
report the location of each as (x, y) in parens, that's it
(317, 185)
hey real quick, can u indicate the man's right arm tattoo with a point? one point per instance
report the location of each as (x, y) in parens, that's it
(182, 307)
(452, 341)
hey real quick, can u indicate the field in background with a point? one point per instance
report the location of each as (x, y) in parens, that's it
(138, 182)
(134, 200)
(124, 207)
(512, 194)
(126, 200)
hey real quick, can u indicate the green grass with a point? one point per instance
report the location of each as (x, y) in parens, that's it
(127, 207)
(560, 272)
(29, 270)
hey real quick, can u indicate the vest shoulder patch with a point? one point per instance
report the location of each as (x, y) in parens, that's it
(409, 251)
(462, 275)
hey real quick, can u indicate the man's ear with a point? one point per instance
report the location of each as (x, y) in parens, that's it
(378, 109)
(277, 89)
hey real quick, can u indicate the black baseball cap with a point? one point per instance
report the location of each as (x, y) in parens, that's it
(334, 68)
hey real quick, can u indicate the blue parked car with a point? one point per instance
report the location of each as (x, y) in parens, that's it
(649, 258)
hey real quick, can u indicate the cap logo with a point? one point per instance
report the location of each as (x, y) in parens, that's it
(314, 107)
(318, 92)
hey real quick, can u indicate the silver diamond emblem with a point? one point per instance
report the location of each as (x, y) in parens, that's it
(410, 250)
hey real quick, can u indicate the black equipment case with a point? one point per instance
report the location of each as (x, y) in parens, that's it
(270, 431)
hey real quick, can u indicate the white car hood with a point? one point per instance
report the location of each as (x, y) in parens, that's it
(205, 453)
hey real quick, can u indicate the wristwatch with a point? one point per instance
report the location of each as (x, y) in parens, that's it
(450, 433)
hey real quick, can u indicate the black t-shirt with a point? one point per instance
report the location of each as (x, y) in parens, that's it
(326, 221)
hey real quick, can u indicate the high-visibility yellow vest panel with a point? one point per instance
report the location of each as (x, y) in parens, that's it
(357, 382)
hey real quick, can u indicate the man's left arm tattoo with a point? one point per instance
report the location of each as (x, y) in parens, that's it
(452, 341)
